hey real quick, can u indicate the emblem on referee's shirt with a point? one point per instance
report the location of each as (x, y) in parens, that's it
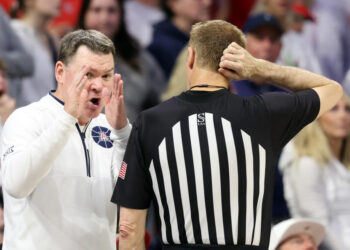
(201, 119)
(101, 136)
(122, 171)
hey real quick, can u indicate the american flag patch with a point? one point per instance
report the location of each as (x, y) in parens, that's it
(122, 171)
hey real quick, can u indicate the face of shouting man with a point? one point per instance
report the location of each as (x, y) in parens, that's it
(93, 70)
(86, 79)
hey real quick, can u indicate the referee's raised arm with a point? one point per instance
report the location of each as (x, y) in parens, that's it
(236, 63)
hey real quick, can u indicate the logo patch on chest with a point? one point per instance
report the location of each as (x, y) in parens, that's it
(101, 136)
(201, 119)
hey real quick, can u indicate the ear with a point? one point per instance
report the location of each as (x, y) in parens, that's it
(59, 72)
(191, 58)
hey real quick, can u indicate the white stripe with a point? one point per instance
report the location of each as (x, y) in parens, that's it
(233, 176)
(198, 173)
(159, 201)
(262, 167)
(215, 178)
(163, 158)
(182, 173)
(250, 188)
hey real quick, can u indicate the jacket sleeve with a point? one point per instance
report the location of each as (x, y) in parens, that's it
(29, 148)
(120, 138)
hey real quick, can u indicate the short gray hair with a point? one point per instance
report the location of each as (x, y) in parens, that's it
(92, 39)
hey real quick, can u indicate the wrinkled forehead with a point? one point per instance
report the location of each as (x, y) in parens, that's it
(96, 60)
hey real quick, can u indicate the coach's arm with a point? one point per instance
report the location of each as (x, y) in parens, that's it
(132, 227)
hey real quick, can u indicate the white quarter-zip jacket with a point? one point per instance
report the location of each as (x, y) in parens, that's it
(58, 179)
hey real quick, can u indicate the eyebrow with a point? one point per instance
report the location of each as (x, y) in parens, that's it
(94, 70)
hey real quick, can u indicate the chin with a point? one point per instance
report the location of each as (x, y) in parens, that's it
(92, 113)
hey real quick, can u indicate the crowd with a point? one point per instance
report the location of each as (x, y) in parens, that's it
(311, 201)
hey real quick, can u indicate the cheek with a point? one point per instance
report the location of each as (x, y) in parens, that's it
(114, 22)
(327, 124)
(109, 84)
(252, 46)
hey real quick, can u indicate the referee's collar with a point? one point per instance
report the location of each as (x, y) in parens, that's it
(201, 96)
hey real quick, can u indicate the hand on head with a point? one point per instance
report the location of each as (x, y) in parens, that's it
(237, 64)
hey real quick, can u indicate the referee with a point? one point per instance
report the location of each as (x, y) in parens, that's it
(206, 157)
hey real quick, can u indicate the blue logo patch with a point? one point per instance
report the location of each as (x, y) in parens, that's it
(101, 136)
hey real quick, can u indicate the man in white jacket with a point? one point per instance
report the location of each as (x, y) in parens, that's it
(60, 157)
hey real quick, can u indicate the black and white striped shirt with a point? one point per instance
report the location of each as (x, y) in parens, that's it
(207, 159)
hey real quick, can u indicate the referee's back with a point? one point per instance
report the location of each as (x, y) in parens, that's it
(206, 158)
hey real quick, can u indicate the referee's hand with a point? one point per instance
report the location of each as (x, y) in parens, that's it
(237, 64)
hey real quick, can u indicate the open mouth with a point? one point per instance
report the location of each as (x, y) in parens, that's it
(95, 101)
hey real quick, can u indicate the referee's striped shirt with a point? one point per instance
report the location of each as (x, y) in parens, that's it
(207, 159)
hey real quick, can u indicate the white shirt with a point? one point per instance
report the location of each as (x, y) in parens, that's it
(319, 192)
(50, 201)
(297, 52)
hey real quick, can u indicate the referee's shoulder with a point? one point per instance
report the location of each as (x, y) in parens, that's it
(164, 106)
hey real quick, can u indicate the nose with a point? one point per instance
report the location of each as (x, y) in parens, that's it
(96, 85)
(267, 43)
(309, 245)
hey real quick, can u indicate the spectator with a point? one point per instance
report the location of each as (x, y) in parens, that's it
(7, 104)
(346, 82)
(263, 33)
(171, 35)
(67, 19)
(140, 16)
(19, 62)
(296, 50)
(142, 76)
(297, 234)
(330, 37)
(35, 37)
(207, 157)
(178, 78)
(235, 12)
(277, 8)
(316, 174)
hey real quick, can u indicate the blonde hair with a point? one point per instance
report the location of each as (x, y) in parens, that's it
(312, 141)
(210, 38)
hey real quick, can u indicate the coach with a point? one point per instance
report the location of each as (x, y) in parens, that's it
(60, 156)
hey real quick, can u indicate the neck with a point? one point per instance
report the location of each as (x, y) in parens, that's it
(336, 145)
(214, 80)
(182, 24)
(37, 21)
